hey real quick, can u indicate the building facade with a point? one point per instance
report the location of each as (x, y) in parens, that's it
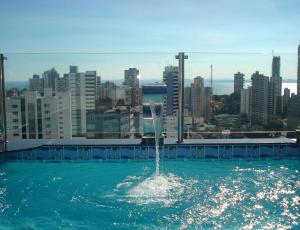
(170, 78)
(131, 79)
(238, 82)
(245, 101)
(36, 115)
(259, 99)
(275, 90)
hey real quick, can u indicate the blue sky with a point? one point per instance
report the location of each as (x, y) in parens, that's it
(150, 26)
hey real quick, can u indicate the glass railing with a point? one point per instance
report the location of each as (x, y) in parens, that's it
(100, 95)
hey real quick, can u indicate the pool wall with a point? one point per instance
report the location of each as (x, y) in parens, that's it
(138, 152)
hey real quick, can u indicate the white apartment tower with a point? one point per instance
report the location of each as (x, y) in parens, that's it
(82, 87)
(39, 116)
(245, 101)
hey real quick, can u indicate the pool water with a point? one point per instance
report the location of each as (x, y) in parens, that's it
(126, 195)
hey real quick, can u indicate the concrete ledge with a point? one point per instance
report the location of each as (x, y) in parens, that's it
(33, 143)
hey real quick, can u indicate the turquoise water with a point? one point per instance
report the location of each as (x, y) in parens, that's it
(126, 195)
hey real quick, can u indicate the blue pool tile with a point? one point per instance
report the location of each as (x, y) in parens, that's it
(253, 151)
(225, 152)
(42, 153)
(266, 151)
(98, 153)
(70, 153)
(183, 152)
(170, 152)
(239, 151)
(127, 153)
(211, 152)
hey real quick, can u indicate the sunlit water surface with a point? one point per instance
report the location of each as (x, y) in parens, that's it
(127, 195)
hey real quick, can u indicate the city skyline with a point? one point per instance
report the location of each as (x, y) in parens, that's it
(290, 83)
(19, 66)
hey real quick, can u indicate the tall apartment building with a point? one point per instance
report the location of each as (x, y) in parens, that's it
(170, 78)
(131, 79)
(293, 113)
(197, 97)
(107, 90)
(36, 83)
(238, 82)
(39, 116)
(50, 77)
(275, 89)
(123, 94)
(259, 99)
(245, 101)
(82, 87)
(61, 84)
(200, 99)
(298, 73)
(286, 96)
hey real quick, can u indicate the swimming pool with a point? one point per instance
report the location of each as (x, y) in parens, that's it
(187, 194)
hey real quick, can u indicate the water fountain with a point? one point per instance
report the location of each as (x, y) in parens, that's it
(153, 97)
(162, 188)
(157, 134)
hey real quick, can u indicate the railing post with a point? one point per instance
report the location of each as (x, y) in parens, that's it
(180, 114)
(2, 105)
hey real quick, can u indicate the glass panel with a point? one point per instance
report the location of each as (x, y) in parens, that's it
(101, 95)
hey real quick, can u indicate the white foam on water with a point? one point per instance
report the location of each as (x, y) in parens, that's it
(161, 189)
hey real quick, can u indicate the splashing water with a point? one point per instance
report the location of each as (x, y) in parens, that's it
(155, 120)
(158, 189)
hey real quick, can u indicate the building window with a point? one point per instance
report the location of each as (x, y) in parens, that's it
(14, 106)
(16, 134)
(15, 120)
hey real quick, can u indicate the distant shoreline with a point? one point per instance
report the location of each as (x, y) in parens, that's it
(220, 87)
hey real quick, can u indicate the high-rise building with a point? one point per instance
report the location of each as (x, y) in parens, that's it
(245, 101)
(200, 99)
(36, 83)
(259, 99)
(131, 79)
(238, 82)
(286, 96)
(197, 97)
(275, 88)
(123, 95)
(293, 113)
(36, 115)
(298, 72)
(82, 87)
(50, 77)
(107, 90)
(170, 78)
(61, 84)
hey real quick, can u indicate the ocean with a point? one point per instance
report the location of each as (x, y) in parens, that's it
(220, 87)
